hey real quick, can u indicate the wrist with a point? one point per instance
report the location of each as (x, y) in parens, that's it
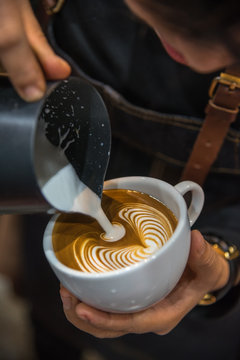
(229, 271)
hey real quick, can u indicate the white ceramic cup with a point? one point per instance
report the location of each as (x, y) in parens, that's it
(140, 285)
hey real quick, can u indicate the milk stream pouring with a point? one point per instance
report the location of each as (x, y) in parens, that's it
(53, 150)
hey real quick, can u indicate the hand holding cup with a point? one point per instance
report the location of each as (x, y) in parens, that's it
(205, 271)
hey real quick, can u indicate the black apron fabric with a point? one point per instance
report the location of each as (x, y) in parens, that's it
(156, 107)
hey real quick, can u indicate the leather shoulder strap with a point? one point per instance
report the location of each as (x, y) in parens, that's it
(221, 111)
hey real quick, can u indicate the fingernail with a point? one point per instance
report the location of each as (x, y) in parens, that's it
(32, 93)
(67, 302)
(65, 67)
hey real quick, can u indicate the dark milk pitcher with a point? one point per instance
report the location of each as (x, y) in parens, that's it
(52, 148)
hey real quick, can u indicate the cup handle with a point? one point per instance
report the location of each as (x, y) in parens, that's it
(197, 200)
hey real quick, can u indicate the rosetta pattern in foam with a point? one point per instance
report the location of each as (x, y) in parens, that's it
(151, 227)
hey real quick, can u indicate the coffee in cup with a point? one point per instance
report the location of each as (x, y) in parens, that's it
(80, 243)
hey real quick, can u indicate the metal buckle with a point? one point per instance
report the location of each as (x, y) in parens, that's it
(230, 253)
(56, 8)
(232, 81)
(208, 299)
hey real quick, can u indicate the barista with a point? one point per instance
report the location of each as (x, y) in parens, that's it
(206, 271)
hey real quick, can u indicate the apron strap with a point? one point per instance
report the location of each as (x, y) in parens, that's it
(221, 111)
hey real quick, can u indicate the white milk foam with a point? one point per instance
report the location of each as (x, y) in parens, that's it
(66, 192)
(87, 202)
(151, 226)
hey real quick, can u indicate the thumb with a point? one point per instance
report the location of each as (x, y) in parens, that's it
(69, 300)
(206, 263)
(201, 253)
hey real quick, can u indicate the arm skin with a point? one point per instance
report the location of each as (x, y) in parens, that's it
(24, 51)
(206, 271)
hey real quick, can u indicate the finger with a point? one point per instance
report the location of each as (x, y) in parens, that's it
(149, 320)
(100, 319)
(105, 320)
(16, 55)
(139, 322)
(54, 66)
(70, 303)
(69, 300)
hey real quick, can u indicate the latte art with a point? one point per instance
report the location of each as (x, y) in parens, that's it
(152, 227)
(79, 243)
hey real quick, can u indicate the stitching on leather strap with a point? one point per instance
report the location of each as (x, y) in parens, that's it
(215, 126)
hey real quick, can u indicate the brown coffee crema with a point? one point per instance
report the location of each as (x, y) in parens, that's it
(77, 240)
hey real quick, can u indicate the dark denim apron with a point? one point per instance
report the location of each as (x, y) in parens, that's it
(156, 107)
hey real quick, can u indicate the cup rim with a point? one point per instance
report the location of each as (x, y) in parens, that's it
(50, 254)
